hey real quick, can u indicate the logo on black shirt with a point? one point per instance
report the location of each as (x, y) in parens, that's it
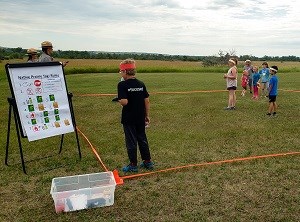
(136, 89)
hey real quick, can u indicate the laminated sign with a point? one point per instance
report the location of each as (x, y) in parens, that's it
(42, 100)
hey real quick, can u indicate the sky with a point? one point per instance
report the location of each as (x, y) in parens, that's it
(176, 27)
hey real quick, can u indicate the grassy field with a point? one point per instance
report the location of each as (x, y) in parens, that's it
(185, 129)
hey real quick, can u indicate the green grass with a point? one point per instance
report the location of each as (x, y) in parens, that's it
(185, 129)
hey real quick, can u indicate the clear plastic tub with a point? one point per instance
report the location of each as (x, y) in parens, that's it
(83, 191)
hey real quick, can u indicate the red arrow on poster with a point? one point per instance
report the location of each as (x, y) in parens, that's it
(37, 82)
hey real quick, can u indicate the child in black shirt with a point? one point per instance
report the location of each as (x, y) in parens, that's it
(133, 96)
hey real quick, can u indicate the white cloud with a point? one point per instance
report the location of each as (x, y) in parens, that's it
(165, 26)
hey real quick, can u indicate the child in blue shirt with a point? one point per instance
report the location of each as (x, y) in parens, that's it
(273, 86)
(265, 76)
(255, 79)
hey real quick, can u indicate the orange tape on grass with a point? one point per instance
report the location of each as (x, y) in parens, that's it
(210, 163)
(288, 90)
(97, 94)
(190, 165)
(93, 149)
(182, 167)
(189, 92)
(178, 92)
(153, 93)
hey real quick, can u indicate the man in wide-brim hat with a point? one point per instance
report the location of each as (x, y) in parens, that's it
(47, 49)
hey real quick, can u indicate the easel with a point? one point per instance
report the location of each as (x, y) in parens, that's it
(13, 108)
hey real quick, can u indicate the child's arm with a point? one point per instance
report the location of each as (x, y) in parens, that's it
(147, 110)
(270, 87)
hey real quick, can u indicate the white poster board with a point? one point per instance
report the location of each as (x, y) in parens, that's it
(42, 100)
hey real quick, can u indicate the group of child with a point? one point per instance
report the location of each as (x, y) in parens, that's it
(255, 79)
(134, 98)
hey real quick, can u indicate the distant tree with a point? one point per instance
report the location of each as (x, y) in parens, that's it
(210, 61)
(221, 59)
(18, 50)
(16, 55)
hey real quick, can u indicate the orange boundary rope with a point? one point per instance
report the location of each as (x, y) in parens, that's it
(97, 94)
(179, 167)
(175, 92)
(210, 163)
(289, 90)
(154, 93)
(93, 149)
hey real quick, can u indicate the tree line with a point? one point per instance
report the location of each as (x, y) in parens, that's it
(219, 59)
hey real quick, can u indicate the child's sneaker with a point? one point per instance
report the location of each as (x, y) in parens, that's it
(130, 168)
(147, 165)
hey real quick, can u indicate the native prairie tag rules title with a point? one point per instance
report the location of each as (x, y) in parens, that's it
(44, 76)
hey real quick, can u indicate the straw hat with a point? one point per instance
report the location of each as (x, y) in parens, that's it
(46, 44)
(31, 51)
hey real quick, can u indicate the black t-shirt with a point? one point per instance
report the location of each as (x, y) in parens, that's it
(135, 92)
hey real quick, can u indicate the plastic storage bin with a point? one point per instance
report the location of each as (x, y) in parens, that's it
(83, 191)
